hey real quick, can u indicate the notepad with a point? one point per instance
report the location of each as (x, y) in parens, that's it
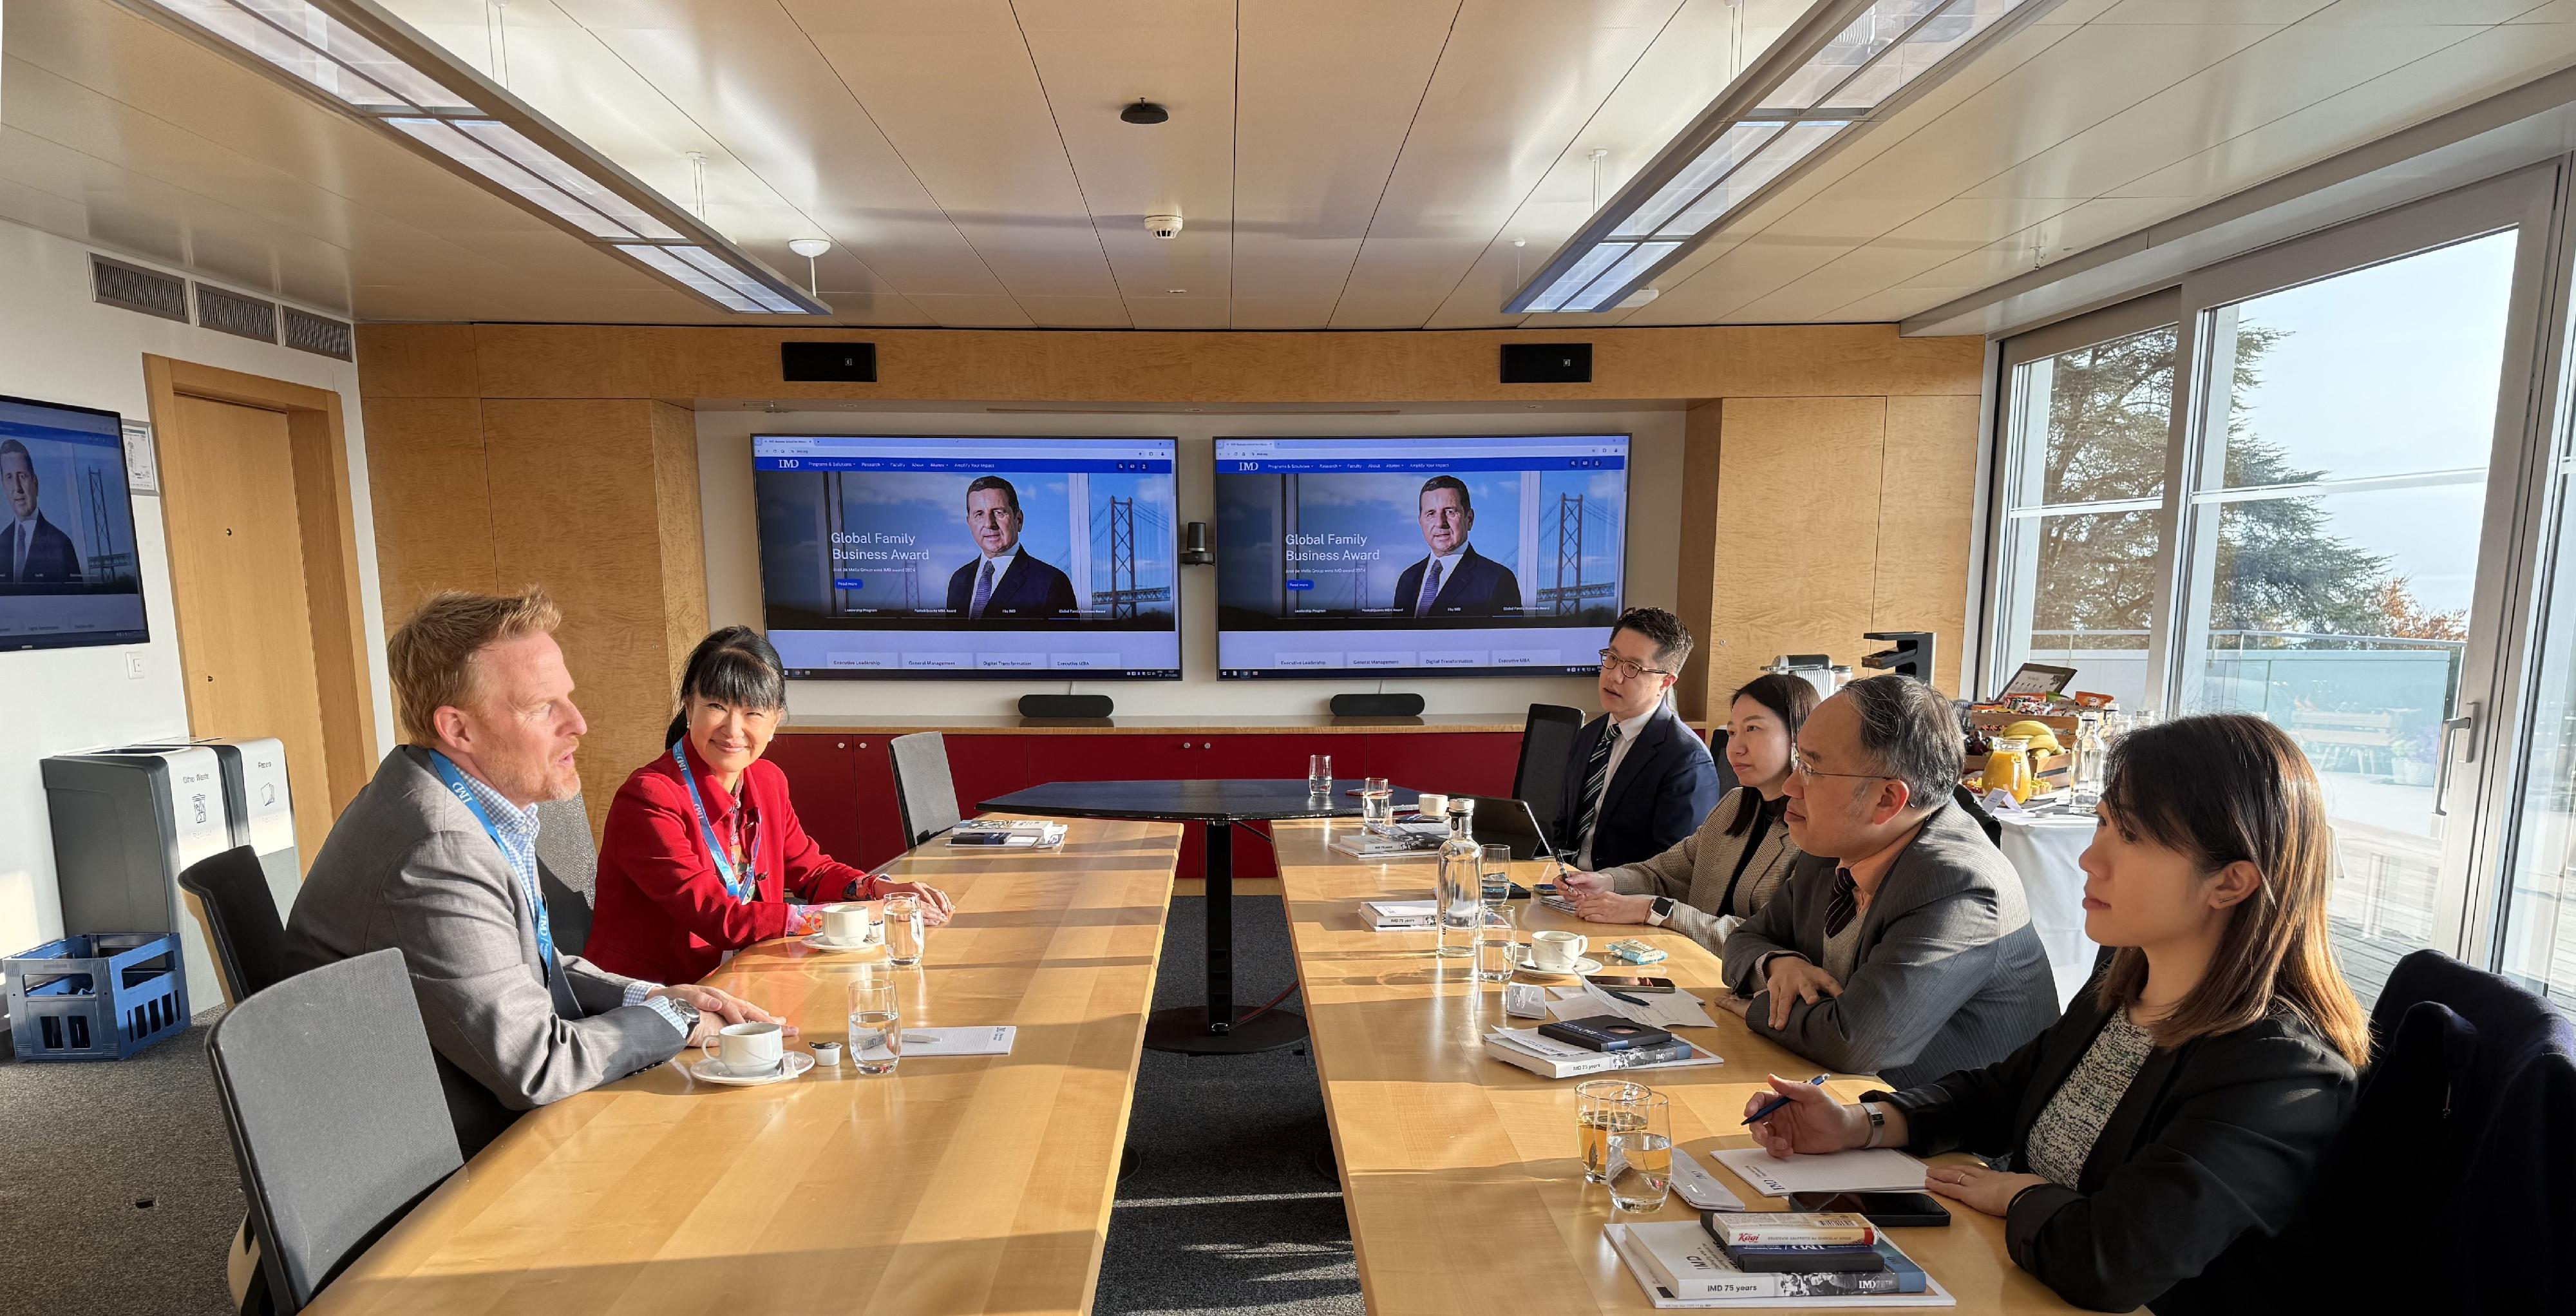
(1875, 1170)
(988, 1040)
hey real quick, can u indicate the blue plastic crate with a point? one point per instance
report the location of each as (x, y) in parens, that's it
(103, 996)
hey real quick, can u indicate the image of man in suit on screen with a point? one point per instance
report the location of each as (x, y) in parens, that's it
(35, 551)
(1456, 580)
(1003, 581)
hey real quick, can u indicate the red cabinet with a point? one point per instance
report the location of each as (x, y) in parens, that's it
(823, 781)
(1450, 762)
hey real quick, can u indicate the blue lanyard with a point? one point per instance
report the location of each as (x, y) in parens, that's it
(455, 782)
(749, 885)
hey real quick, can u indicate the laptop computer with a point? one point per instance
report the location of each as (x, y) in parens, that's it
(1503, 821)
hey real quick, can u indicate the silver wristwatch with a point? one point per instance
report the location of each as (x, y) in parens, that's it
(1662, 910)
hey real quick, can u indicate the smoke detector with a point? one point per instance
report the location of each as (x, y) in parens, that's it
(1144, 113)
(1166, 227)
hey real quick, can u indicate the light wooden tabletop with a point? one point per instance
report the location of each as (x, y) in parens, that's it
(1460, 1173)
(954, 1185)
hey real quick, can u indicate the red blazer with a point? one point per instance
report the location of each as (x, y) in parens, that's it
(662, 914)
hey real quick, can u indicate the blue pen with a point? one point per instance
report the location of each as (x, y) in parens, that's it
(1772, 1107)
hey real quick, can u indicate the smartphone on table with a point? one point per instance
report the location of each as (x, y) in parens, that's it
(1630, 982)
(1886, 1210)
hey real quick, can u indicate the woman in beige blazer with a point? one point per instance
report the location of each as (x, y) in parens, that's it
(1720, 874)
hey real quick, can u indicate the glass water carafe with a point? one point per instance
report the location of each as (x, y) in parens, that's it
(1460, 893)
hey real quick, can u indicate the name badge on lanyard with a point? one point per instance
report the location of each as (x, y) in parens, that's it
(747, 885)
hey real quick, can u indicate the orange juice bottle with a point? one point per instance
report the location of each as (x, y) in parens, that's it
(2008, 768)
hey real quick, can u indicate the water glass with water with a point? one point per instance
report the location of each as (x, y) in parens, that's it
(1377, 804)
(903, 930)
(1602, 1110)
(876, 1027)
(1641, 1158)
(1319, 775)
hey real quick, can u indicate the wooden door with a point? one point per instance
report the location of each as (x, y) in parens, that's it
(237, 573)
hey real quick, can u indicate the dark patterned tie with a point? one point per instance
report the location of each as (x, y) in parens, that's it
(983, 590)
(1846, 902)
(1430, 590)
(1595, 772)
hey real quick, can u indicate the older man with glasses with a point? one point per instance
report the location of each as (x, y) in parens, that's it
(1900, 944)
(1637, 780)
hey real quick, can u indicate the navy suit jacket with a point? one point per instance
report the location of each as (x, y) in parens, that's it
(1664, 788)
(51, 560)
(1029, 589)
(1479, 587)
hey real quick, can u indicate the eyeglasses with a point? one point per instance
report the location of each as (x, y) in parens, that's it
(1798, 764)
(1628, 668)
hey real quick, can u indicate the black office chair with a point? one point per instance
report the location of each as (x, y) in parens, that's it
(1547, 741)
(241, 920)
(338, 1123)
(567, 871)
(924, 792)
(1726, 778)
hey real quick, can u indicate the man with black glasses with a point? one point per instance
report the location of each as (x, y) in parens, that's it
(1638, 780)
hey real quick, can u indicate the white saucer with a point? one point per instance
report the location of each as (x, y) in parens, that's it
(1585, 964)
(825, 944)
(711, 1070)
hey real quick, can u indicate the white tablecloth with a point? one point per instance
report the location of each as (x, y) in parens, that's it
(2044, 849)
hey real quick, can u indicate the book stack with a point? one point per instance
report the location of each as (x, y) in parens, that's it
(1380, 846)
(1550, 1058)
(1400, 915)
(1008, 833)
(1788, 1255)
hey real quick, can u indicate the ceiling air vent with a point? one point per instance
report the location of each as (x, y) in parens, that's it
(115, 283)
(320, 334)
(231, 313)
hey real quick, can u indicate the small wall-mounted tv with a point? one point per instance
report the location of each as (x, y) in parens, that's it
(1408, 557)
(69, 572)
(885, 556)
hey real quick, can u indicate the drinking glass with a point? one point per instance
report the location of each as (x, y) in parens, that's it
(1641, 1158)
(1494, 878)
(1494, 933)
(1319, 774)
(876, 1027)
(1494, 949)
(1377, 804)
(1605, 1108)
(903, 932)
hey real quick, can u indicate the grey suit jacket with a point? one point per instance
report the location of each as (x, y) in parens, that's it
(1949, 974)
(1696, 873)
(407, 866)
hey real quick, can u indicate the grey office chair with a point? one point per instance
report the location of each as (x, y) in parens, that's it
(924, 792)
(241, 920)
(338, 1123)
(1547, 742)
(567, 871)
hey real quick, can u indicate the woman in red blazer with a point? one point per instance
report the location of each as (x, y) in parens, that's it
(702, 846)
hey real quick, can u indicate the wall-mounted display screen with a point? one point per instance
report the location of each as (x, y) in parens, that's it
(968, 557)
(69, 574)
(1392, 556)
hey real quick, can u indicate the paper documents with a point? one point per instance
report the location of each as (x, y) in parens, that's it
(1879, 1170)
(987, 1040)
(1660, 1009)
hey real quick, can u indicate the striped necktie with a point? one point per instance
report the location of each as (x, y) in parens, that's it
(1595, 773)
(1430, 590)
(1846, 902)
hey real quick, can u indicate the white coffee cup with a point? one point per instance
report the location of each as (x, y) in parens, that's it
(1556, 950)
(1429, 805)
(850, 925)
(749, 1048)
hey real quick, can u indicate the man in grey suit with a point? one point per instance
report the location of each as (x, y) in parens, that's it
(1900, 944)
(437, 857)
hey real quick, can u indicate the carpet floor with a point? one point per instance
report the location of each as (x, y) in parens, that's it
(118, 1195)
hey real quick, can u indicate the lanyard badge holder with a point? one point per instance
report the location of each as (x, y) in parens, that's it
(748, 885)
(454, 780)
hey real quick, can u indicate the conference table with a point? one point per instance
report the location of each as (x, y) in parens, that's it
(1459, 1173)
(951, 1185)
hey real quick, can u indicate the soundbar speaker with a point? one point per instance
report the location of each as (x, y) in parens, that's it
(1065, 705)
(1377, 705)
(1547, 363)
(828, 363)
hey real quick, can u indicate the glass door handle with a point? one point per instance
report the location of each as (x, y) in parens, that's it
(2467, 721)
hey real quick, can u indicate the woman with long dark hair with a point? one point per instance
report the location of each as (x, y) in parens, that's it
(1739, 856)
(2180, 1103)
(702, 846)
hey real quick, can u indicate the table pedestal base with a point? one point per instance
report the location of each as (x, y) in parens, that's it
(1184, 1029)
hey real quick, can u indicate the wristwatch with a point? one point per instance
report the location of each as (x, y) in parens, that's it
(688, 1017)
(1663, 910)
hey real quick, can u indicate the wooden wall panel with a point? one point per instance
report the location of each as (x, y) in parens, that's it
(683, 542)
(432, 495)
(1696, 574)
(972, 365)
(417, 361)
(1796, 555)
(576, 508)
(1927, 525)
